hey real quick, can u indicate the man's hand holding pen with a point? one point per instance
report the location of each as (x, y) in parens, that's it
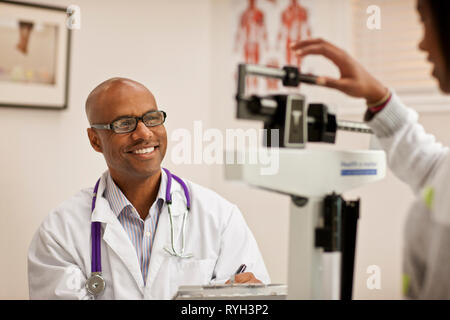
(243, 277)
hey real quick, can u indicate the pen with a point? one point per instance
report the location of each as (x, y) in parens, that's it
(241, 269)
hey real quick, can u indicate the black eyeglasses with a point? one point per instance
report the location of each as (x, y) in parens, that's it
(129, 124)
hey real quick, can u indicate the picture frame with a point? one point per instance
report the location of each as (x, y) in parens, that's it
(34, 56)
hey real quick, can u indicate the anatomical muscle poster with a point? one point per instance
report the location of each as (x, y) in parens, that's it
(263, 31)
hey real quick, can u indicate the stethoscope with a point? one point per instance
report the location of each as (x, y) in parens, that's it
(96, 284)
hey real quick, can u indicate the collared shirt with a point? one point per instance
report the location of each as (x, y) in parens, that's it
(141, 232)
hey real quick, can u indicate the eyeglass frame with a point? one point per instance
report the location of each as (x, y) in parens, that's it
(109, 126)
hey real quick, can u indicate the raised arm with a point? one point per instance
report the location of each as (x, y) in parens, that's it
(413, 155)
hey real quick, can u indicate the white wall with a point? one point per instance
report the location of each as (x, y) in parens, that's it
(178, 49)
(46, 156)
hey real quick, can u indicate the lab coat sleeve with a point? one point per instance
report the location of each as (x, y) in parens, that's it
(238, 246)
(52, 271)
(413, 155)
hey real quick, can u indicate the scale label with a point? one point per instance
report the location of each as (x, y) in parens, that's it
(359, 172)
(359, 168)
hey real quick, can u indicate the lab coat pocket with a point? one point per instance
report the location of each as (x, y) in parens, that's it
(191, 271)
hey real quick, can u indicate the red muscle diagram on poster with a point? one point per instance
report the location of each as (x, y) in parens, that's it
(251, 35)
(263, 31)
(294, 27)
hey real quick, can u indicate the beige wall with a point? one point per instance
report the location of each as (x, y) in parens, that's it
(46, 156)
(177, 48)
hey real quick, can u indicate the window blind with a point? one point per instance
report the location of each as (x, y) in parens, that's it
(392, 55)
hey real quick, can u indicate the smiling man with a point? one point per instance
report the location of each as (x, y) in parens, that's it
(141, 232)
(133, 158)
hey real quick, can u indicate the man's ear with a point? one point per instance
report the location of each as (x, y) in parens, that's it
(94, 139)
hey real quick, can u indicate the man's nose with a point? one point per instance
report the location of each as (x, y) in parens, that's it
(142, 131)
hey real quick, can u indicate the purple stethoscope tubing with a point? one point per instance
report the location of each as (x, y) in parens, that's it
(169, 187)
(96, 263)
(172, 251)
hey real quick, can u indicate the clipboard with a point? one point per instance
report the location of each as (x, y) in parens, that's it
(254, 291)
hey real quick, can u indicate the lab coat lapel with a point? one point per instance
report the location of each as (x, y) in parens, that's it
(162, 238)
(117, 239)
(163, 234)
(115, 236)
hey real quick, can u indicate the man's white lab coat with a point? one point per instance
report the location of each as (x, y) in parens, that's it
(59, 258)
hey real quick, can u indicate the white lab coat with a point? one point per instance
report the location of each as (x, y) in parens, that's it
(59, 258)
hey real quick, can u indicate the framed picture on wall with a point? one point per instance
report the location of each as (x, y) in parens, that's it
(34, 55)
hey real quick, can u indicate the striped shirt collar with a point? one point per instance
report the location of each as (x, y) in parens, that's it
(118, 201)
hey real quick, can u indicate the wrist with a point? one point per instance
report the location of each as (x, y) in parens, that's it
(377, 96)
(379, 105)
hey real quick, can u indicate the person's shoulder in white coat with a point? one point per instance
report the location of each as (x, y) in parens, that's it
(52, 254)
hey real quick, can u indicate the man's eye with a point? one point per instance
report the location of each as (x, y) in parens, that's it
(125, 122)
(153, 119)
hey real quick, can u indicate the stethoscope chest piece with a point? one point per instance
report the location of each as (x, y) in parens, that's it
(95, 285)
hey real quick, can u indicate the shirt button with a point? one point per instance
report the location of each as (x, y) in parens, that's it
(148, 234)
